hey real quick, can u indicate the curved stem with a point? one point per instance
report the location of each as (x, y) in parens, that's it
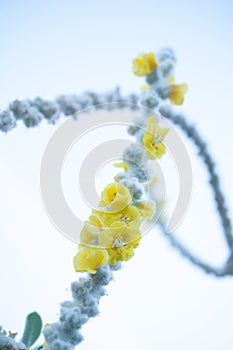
(220, 202)
(226, 270)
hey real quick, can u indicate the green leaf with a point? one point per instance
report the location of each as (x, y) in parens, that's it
(32, 329)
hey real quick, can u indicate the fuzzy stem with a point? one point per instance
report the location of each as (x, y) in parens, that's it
(220, 202)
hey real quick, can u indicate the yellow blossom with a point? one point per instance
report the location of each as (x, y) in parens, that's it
(117, 255)
(115, 197)
(91, 228)
(153, 138)
(122, 228)
(122, 165)
(110, 236)
(86, 235)
(147, 208)
(130, 216)
(144, 64)
(89, 259)
(176, 93)
(114, 236)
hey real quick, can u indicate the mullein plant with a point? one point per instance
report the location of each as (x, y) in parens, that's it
(112, 232)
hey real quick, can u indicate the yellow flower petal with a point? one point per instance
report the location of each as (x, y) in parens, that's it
(151, 122)
(117, 255)
(176, 93)
(129, 215)
(106, 239)
(144, 64)
(140, 68)
(147, 208)
(153, 138)
(122, 228)
(91, 228)
(115, 197)
(115, 236)
(87, 236)
(150, 57)
(96, 219)
(122, 165)
(89, 259)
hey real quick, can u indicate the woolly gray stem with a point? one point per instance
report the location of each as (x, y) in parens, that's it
(192, 133)
(32, 112)
(86, 292)
(65, 334)
(226, 270)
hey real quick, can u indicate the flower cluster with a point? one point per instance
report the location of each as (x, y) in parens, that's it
(159, 73)
(112, 232)
(111, 235)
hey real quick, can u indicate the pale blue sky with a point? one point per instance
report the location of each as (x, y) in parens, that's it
(158, 301)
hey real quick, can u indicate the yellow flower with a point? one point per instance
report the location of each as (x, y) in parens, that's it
(111, 236)
(147, 208)
(89, 259)
(153, 138)
(129, 216)
(86, 236)
(122, 165)
(117, 255)
(176, 93)
(114, 236)
(144, 64)
(91, 228)
(115, 197)
(122, 228)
